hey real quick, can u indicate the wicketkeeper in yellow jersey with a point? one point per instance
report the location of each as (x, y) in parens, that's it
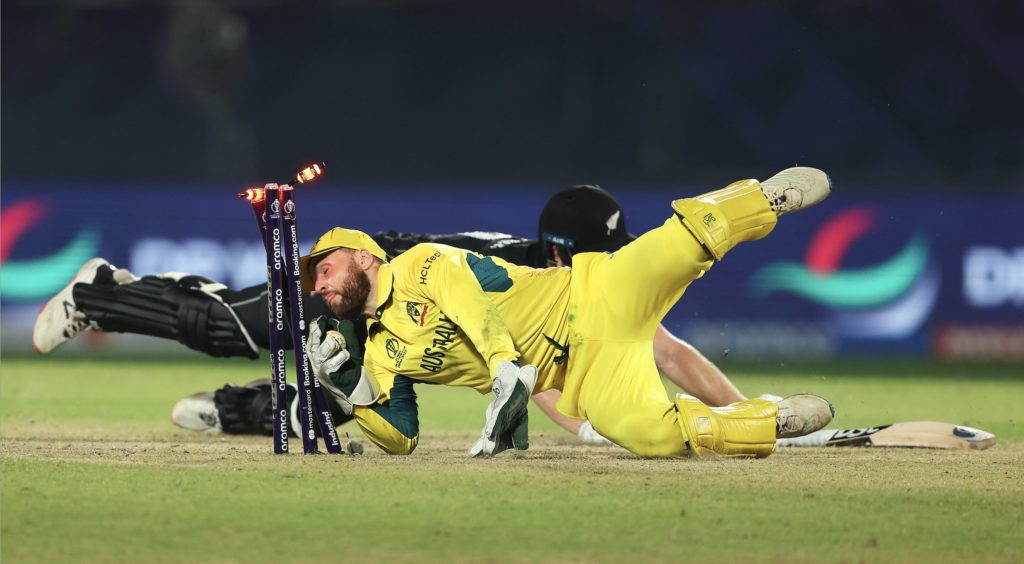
(443, 315)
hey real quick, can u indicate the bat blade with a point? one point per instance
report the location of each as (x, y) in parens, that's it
(911, 434)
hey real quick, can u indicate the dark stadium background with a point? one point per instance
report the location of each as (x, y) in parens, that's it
(129, 125)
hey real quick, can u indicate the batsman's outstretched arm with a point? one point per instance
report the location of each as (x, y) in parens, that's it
(582, 428)
(546, 401)
(692, 371)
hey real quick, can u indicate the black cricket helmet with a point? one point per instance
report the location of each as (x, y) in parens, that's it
(581, 219)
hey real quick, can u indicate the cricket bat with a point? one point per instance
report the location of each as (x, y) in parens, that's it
(911, 434)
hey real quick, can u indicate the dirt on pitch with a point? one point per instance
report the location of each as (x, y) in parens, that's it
(558, 501)
(92, 471)
(832, 467)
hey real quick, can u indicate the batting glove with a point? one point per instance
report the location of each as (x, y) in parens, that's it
(589, 436)
(244, 410)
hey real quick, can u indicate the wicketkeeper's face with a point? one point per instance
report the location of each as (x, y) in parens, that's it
(342, 284)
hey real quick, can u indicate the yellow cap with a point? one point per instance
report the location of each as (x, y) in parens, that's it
(337, 238)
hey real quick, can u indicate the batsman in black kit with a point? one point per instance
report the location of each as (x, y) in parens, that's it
(211, 318)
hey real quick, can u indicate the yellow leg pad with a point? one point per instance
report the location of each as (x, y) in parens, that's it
(741, 429)
(723, 218)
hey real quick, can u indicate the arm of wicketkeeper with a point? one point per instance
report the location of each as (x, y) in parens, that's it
(390, 421)
(457, 281)
(336, 355)
(393, 424)
(447, 280)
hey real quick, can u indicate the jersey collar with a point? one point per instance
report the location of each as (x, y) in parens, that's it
(385, 287)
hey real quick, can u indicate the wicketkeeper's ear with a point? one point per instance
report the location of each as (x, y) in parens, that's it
(364, 258)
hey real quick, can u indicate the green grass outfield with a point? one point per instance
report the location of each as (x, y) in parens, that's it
(93, 471)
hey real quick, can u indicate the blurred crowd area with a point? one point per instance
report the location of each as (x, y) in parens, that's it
(919, 95)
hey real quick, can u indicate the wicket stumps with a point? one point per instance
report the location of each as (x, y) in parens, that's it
(274, 207)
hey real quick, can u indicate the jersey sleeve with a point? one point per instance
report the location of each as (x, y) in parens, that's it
(456, 281)
(393, 425)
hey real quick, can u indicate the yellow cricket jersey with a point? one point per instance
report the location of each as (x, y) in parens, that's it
(449, 316)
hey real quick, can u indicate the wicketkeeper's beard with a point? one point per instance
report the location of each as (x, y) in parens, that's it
(353, 295)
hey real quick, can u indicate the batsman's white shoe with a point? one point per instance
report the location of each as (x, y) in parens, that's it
(59, 320)
(796, 188)
(801, 414)
(197, 413)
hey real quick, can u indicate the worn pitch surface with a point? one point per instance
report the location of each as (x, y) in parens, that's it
(93, 471)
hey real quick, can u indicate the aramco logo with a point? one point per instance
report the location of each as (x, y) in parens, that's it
(38, 278)
(889, 300)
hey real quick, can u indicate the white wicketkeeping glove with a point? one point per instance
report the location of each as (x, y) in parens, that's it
(518, 438)
(506, 422)
(326, 353)
(589, 436)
